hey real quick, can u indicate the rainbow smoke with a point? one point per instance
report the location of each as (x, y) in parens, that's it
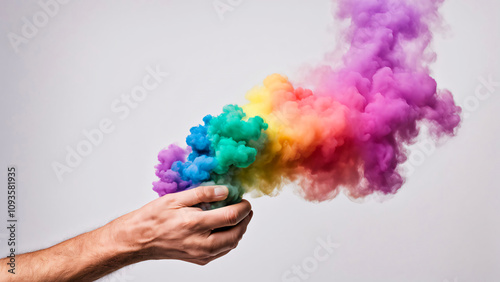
(349, 134)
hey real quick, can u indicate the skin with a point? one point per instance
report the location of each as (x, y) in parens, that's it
(166, 228)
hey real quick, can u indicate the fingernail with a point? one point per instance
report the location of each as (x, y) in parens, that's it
(220, 191)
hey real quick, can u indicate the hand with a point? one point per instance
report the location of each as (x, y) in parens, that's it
(166, 228)
(171, 228)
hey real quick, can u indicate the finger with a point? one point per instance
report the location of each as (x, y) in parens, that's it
(217, 256)
(221, 241)
(225, 216)
(207, 260)
(202, 194)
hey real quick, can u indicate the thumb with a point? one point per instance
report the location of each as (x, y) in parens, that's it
(201, 194)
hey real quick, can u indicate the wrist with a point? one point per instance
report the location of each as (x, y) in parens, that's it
(131, 236)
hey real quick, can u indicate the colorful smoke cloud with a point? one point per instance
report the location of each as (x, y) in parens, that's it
(350, 134)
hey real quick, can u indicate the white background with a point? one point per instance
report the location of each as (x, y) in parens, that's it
(443, 225)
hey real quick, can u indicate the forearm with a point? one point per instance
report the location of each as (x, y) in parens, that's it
(86, 257)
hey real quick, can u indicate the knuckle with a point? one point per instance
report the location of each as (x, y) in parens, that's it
(203, 262)
(247, 204)
(240, 235)
(198, 194)
(231, 242)
(236, 238)
(210, 249)
(231, 217)
(190, 223)
(169, 199)
(234, 245)
(185, 223)
(202, 193)
(197, 253)
(160, 203)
